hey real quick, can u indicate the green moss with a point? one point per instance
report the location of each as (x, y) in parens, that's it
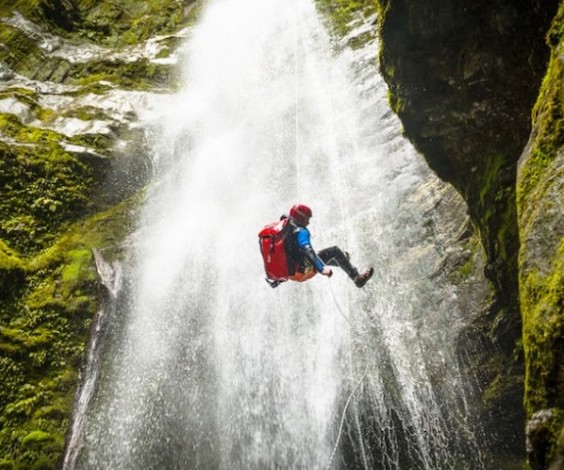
(115, 23)
(43, 340)
(86, 113)
(45, 115)
(466, 265)
(341, 14)
(141, 74)
(24, 95)
(549, 131)
(490, 193)
(542, 281)
(467, 268)
(126, 22)
(394, 99)
(502, 385)
(542, 301)
(9, 259)
(37, 436)
(53, 215)
(44, 186)
(78, 259)
(20, 46)
(11, 377)
(548, 116)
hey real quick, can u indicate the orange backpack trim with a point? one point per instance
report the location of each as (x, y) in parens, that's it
(301, 277)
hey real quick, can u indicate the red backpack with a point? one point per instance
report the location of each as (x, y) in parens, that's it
(275, 241)
(272, 242)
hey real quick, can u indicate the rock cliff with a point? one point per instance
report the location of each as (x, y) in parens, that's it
(464, 79)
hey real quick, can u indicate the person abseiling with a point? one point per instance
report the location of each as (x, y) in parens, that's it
(299, 261)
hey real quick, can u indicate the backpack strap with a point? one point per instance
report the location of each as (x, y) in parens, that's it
(272, 283)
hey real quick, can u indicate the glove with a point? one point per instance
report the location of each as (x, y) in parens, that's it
(327, 271)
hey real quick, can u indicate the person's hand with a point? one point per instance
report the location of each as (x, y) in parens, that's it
(327, 271)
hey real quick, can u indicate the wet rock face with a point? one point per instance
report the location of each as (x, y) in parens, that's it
(540, 431)
(463, 78)
(63, 13)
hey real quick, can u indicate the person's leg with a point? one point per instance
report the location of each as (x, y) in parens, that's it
(334, 256)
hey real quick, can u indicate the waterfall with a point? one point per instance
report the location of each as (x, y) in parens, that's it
(111, 279)
(205, 365)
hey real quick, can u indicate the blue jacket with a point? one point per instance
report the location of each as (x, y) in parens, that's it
(304, 245)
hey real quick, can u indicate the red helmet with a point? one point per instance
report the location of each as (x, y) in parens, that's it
(300, 214)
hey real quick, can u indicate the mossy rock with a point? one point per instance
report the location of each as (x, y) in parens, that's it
(43, 340)
(58, 204)
(22, 55)
(541, 258)
(51, 222)
(540, 186)
(543, 432)
(140, 74)
(37, 436)
(12, 377)
(341, 16)
(112, 23)
(108, 25)
(542, 300)
(12, 272)
(58, 13)
(43, 186)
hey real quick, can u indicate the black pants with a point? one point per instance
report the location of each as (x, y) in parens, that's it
(334, 256)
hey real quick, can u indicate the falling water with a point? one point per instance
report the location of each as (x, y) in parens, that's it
(206, 366)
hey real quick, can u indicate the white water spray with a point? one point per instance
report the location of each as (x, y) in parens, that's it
(210, 368)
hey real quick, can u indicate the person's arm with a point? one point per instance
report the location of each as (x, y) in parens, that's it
(304, 244)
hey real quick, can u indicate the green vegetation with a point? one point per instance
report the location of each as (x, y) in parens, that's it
(341, 15)
(53, 211)
(541, 258)
(44, 186)
(44, 332)
(542, 299)
(110, 25)
(26, 58)
(548, 116)
(115, 23)
(542, 292)
(49, 284)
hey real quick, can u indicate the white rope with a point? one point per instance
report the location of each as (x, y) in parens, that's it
(337, 304)
(359, 383)
(296, 101)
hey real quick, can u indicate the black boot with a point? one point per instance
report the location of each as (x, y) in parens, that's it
(363, 278)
